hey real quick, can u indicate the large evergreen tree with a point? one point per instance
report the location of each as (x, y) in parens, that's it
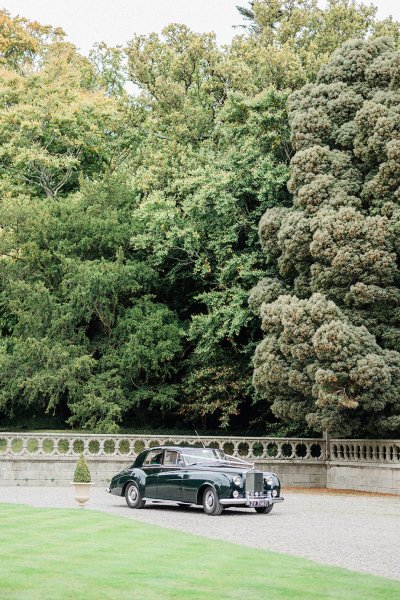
(331, 353)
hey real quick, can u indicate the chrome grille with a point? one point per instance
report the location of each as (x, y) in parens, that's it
(254, 482)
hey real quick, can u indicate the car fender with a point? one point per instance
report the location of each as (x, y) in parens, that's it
(226, 486)
(220, 482)
(276, 482)
(137, 476)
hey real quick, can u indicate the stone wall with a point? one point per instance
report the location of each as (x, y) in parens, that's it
(55, 471)
(365, 478)
(364, 465)
(52, 471)
(297, 473)
(50, 459)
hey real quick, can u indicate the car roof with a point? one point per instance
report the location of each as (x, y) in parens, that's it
(179, 448)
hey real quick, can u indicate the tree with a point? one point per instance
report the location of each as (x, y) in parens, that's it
(53, 126)
(311, 33)
(335, 251)
(181, 78)
(82, 335)
(129, 240)
(200, 232)
(214, 156)
(23, 43)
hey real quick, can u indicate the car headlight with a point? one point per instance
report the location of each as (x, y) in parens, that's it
(269, 480)
(237, 480)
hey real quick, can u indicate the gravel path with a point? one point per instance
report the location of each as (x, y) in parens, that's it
(361, 533)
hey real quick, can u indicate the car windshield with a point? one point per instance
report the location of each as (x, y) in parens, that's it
(201, 455)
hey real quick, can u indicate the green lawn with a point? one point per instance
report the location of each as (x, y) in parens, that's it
(83, 554)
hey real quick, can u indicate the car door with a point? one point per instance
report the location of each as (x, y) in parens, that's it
(192, 481)
(152, 466)
(170, 477)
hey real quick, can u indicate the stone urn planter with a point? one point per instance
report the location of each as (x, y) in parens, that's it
(82, 482)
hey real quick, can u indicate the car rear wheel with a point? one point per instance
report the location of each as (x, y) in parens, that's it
(133, 497)
(264, 509)
(211, 503)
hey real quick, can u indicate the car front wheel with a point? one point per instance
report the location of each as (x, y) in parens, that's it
(133, 496)
(211, 503)
(264, 509)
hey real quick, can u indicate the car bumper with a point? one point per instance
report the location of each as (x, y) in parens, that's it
(251, 501)
(116, 491)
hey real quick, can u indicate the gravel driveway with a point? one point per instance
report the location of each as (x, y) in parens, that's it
(358, 532)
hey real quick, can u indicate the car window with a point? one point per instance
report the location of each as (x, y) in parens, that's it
(202, 455)
(154, 457)
(171, 457)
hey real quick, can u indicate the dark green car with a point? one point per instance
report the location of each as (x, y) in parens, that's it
(202, 476)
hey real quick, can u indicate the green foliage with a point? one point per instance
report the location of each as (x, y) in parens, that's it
(200, 230)
(315, 367)
(23, 43)
(129, 225)
(335, 365)
(53, 125)
(82, 473)
(182, 80)
(80, 328)
(303, 31)
(109, 69)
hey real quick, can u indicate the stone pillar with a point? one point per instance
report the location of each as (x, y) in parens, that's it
(327, 438)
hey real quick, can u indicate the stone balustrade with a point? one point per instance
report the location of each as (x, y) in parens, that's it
(364, 465)
(128, 446)
(365, 451)
(50, 458)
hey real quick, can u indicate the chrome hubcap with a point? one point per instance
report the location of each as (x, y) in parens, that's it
(209, 499)
(132, 494)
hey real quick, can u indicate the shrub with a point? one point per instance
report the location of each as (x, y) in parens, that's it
(82, 473)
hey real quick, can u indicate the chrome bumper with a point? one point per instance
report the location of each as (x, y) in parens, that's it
(267, 500)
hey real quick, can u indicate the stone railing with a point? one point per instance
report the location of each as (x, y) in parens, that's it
(35, 445)
(365, 451)
(252, 448)
(50, 458)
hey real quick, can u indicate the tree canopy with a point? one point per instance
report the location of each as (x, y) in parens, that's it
(129, 222)
(331, 354)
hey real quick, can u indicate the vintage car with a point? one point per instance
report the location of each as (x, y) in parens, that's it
(202, 476)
